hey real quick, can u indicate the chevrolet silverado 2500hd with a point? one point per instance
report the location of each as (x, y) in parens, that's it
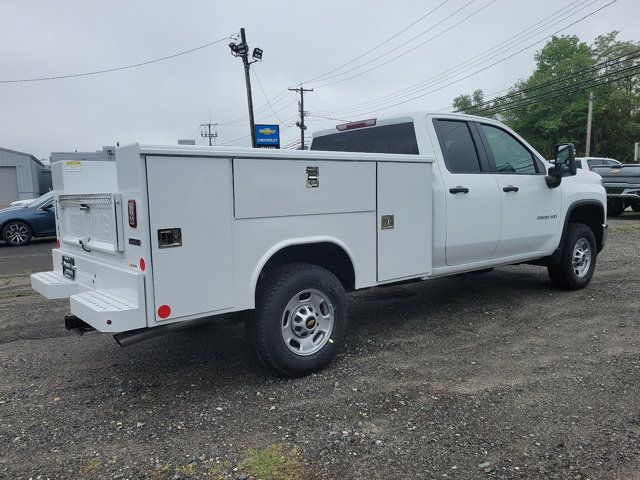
(181, 233)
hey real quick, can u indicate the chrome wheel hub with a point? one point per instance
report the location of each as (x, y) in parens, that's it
(581, 257)
(17, 234)
(307, 322)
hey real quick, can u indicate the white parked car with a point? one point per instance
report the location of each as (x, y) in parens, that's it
(587, 163)
(184, 233)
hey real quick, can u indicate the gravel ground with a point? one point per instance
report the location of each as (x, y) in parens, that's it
(476, 376)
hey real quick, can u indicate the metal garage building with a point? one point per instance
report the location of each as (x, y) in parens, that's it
(22, 176)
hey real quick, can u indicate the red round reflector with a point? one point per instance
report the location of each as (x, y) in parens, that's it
(164, 311)
(57, 243)
(142, 264)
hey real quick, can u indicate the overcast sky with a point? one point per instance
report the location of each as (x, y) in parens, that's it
(164, 101)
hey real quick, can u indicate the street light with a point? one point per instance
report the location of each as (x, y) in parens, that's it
(241, 49)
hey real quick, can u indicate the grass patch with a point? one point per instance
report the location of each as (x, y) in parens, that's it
(624, 229)
(276, 462)
(89, 468)
(187, 469)
(219, 469)
(18, 294)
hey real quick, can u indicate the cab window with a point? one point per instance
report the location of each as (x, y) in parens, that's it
(509, 155)
(458, 147)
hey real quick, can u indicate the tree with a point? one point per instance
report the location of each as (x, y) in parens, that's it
(464, 103)
(550, 106)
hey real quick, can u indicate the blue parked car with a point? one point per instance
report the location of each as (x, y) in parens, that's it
(37, 219)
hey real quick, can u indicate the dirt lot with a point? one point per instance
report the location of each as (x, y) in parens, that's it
(489, 376)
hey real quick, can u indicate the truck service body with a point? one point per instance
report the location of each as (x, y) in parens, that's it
(175, 234)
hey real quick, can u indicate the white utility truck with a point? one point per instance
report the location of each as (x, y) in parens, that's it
(183, 233)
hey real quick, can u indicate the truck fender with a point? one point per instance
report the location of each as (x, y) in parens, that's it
(555, 257)
(294, 242)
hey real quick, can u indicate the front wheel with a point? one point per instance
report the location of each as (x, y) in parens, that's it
(636, 206)
(578, 259)
(300, 319)
(16, 233)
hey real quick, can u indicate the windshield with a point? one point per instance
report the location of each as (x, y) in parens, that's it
(41, 199)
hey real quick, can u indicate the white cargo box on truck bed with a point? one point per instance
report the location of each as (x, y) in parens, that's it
(207, 220)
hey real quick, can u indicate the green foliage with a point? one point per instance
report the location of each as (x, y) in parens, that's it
(550, 113)
(466, 103)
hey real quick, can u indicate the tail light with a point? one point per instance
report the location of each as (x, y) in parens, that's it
(133, 214)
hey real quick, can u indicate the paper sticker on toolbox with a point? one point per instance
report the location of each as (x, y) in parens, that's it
(74, 166)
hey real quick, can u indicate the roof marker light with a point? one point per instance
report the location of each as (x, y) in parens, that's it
(359, 124)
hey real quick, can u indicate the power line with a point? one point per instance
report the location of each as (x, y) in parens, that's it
(378, 45)
(467, 64)
(115, 69)
(631, 55)
(406, 52)
(613, 76)
(265, 96)
(479, 70)
(277, 99)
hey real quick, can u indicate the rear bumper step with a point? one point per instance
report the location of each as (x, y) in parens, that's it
(108, 310)
(104, 311)
(53, 285)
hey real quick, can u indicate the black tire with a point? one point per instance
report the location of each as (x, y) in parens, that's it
(615, 208)
(635, 207)
(17, 233)
(563, 274)
(265, 329)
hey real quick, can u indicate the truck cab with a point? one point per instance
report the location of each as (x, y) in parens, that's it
(492, 198)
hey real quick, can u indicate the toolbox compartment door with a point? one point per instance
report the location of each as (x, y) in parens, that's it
(404, 220)
(91, 220)
(190, 212)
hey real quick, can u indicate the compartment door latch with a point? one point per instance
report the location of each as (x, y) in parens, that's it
(386, 222)
(169, 237)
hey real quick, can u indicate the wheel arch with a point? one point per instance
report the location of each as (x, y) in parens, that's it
(326, 252)
(22, 220)
(588, 212)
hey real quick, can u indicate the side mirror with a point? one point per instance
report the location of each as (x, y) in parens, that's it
(564, 165)
(566, 160)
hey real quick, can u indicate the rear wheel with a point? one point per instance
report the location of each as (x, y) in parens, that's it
(17, 233)
(578, 259)
(300, 319)
(635, 206)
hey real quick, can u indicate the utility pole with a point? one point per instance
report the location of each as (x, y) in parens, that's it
(209, 134)
(242, 50)
(636, 152)
(589, 115)
(300, 124)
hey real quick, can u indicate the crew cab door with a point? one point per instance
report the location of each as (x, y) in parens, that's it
(530, 209)
(471, 194)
